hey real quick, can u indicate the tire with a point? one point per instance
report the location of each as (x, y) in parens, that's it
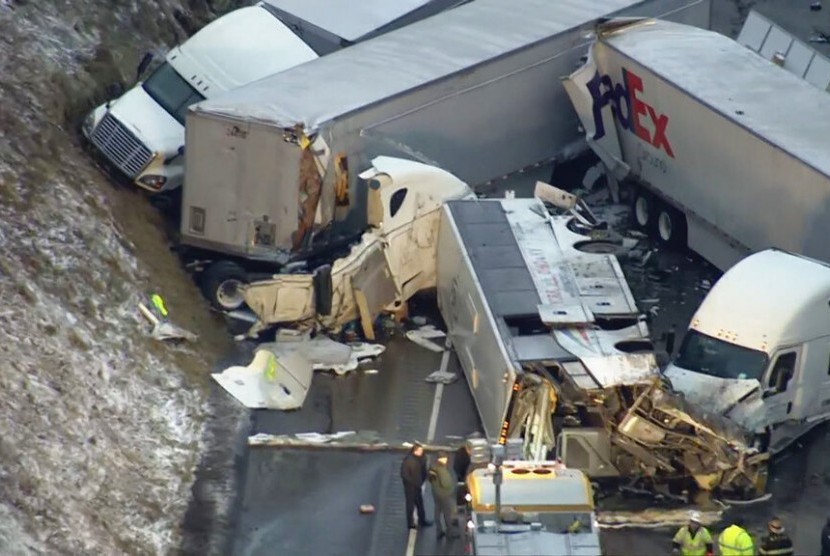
(670, 226)
(220, 285)
(642, 210)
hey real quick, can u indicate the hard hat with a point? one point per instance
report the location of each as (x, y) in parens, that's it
(694, 517)
(776, 526)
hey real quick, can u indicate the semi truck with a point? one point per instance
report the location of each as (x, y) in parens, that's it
(141, 134)
(558, 358)
(758, 348)
(271, 176)
(728, 153)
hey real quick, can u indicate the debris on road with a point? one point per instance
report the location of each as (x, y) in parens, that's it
(270, 381)
(654, 518)
(325, 354)
(423, 337)
(442, 377)
(352, 440)
(163, 329)
(367, 509)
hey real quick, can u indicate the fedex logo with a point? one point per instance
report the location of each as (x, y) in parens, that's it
(629, 109)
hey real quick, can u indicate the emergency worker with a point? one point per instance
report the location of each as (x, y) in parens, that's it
(777, 542)
(443, 493)
(693, 539)
(735, 540)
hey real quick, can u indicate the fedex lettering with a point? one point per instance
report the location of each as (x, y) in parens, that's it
(628, 108)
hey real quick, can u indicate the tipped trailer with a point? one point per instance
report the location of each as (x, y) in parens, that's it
(272, 167)
(558, 357)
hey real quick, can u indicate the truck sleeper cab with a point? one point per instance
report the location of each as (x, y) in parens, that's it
(141, 134)
(758, 348)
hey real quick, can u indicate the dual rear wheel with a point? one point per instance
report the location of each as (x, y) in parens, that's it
(658, 219)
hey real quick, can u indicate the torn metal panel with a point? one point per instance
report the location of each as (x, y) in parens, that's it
(310, 187)
(607, 145)
(374, 279)
(285, 298)
(269, 382)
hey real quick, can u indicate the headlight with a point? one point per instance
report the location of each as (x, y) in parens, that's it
(154, 181)
(89, 124)
(471, 525)
(468, 497)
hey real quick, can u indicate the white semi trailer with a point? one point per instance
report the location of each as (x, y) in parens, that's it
(272, 167)
(729, 152)
(558, 358)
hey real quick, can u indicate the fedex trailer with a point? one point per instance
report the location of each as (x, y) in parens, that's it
(729, 153)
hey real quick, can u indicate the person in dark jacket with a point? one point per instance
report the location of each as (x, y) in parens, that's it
(413, 474)
(776, 543)
(825, 539)
(461, 462)
(443, 493)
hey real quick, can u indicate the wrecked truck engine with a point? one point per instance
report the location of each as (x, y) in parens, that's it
(652, 437)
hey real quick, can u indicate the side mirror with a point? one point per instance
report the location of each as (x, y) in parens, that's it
(768, 392)
(143, 65)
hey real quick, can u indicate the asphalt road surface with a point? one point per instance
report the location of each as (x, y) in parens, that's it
(306, 502)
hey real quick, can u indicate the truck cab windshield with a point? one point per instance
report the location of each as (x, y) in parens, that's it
(173, 93)
(710, 356)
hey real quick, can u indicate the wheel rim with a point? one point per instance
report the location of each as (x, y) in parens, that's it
(641, 210)
(665, 227)
(229, 294)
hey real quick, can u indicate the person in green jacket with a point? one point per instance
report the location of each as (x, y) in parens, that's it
(443, 485)
(735, 540)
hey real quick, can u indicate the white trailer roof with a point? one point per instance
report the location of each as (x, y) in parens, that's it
(348, 19)
(404, 59)
(528, 265)
(775, 105)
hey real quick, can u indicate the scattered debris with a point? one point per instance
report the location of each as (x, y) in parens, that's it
(370, 372)
(270, 381)
(442, 377)
(351, 440)
(325, 354)
(367, 509)
(423, 336)
(318, 438)
(163, 329)
(654, 518)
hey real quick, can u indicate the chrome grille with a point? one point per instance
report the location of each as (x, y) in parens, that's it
(120, 146)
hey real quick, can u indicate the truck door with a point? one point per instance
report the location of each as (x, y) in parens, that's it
(780, 385)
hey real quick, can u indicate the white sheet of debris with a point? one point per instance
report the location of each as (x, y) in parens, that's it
(270, 381)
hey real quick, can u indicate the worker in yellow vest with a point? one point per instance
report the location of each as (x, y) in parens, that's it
(693, 539)
(735, 540)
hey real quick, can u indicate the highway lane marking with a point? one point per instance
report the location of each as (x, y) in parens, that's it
(439, 393)
(433, 424)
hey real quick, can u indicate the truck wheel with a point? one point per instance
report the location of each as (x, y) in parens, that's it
(642, 213)
(671, 226)
(221, 285)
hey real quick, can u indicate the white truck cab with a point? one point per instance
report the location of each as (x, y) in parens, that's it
(758, 349)
(142, 132)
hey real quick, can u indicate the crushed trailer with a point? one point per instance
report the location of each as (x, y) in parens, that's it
(558, 357)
